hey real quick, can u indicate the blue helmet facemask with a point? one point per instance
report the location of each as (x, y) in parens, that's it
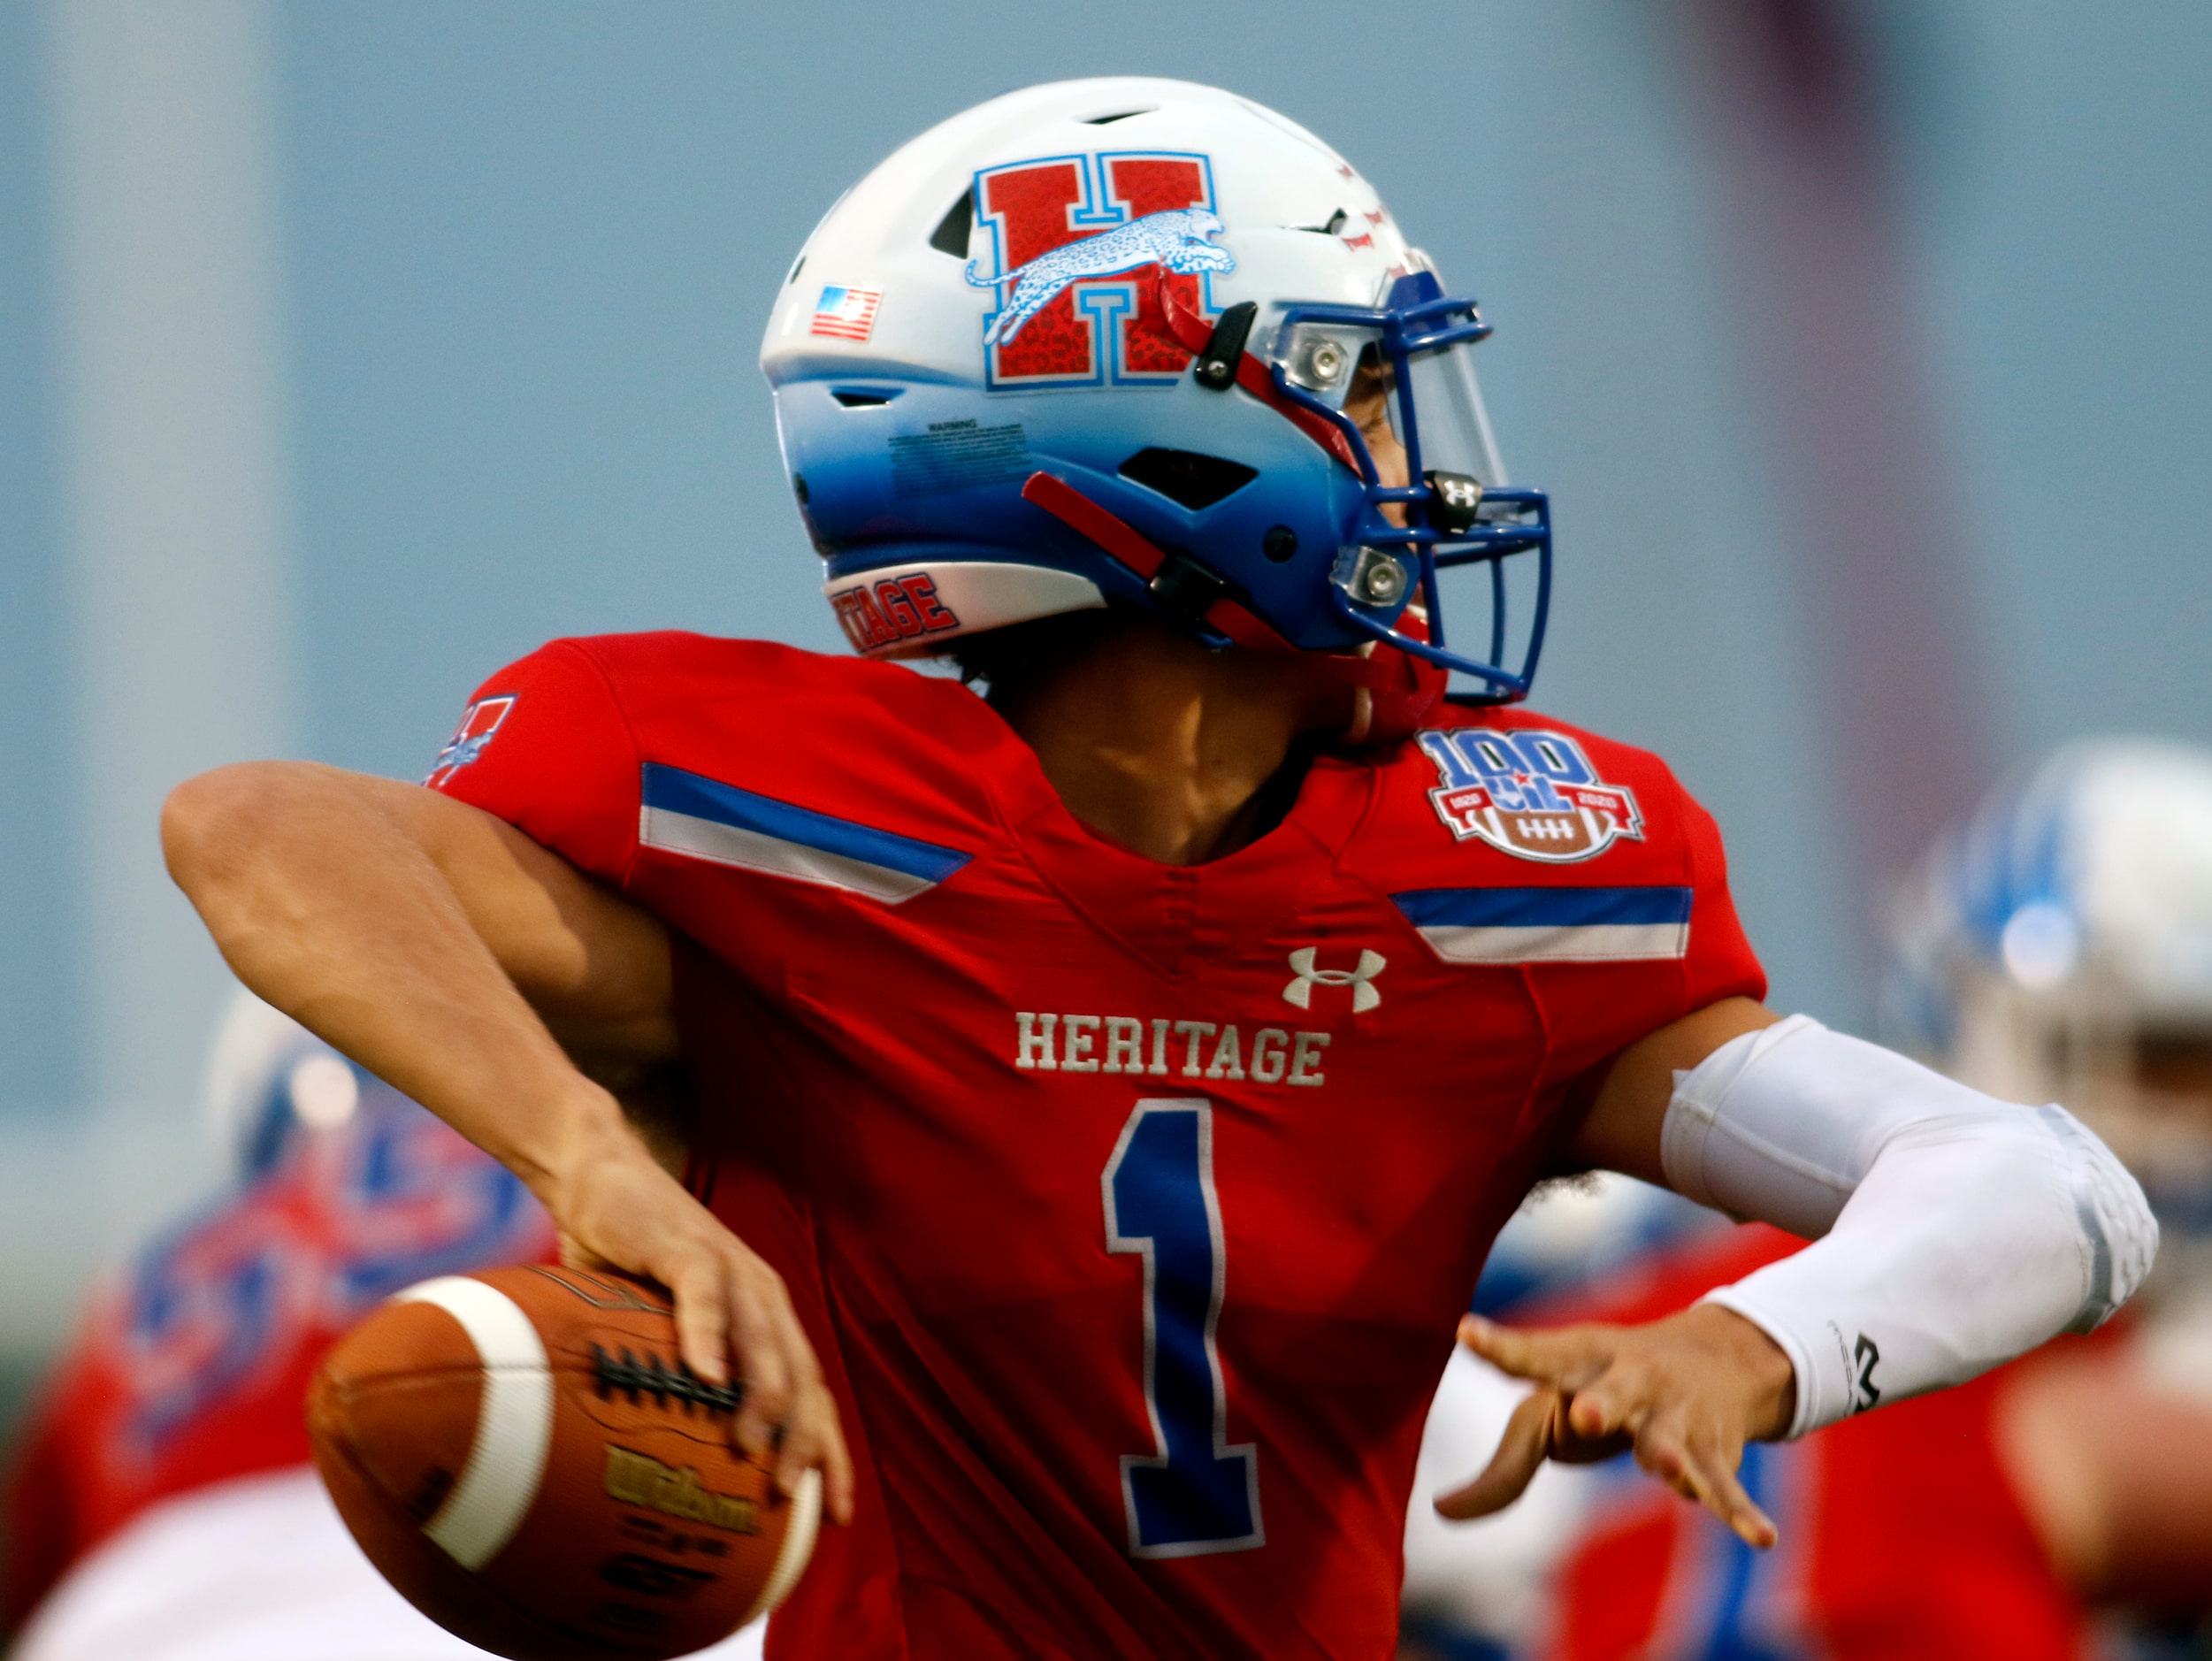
(1453, 516)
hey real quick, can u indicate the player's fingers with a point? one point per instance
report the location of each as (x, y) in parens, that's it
(1660, 1451)
(1711, 1467)
(1614, 1403)
(702, 1322)
(1703, 1468)
(799, 1449)
(812, 1439)
(718, 1319)
(1528, 1440)
(810, 1424)
(837, 1471)
(576, 1255)
(761, 1345)
(1569, 1357)
(837, 1460)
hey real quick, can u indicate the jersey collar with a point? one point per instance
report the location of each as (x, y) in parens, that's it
(1181, 918)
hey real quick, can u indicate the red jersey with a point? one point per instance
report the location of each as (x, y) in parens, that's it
(1902, 1537)
(1131, 1207)
(191, 1368)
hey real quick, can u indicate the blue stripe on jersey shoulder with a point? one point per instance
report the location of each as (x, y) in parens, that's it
(672, 790)
(1543, 907)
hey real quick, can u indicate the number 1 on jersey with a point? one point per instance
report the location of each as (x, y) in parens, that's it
(1195, 1494)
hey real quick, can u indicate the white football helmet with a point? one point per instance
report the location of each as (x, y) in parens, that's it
(2058, 947)
(1095, 340)
(268, 1078)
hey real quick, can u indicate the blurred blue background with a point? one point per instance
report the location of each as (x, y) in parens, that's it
(490, 278)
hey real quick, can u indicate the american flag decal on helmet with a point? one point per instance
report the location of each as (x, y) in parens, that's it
(846, 314)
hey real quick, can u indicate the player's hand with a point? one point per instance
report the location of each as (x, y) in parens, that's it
(617, 1208)
(1686, 1393)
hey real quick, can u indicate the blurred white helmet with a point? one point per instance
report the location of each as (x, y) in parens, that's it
(268, 1078)
(2058, 947)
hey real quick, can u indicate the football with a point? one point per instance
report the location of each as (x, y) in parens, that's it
(523, 1457)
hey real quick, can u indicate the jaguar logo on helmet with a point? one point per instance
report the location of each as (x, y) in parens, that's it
(1073, 235)
(1533, 795)
(1179, 239)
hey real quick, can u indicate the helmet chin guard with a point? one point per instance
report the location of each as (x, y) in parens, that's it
(1139, 307)
(1392, 694)
(1452, 518)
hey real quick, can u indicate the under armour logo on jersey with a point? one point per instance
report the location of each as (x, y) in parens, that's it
(1361, 980)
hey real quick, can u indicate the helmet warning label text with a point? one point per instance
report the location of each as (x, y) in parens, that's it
(951, 455)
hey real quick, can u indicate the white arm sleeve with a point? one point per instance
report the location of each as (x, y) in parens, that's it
(1953, 1231)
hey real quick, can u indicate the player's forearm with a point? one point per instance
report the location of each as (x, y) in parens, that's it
(1953, 1231)
(328, 906)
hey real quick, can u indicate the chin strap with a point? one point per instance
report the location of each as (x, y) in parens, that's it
(1394, 691)
(1397, 709)
(1131, 547)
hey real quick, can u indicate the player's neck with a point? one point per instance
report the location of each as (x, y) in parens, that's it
(1164, 747)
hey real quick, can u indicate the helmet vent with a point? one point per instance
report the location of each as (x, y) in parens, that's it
(1336, 224)
(859, 400)
(951, 235)
(1118, 115)
(1186, 479)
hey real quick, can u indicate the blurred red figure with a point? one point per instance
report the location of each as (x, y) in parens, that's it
(1985, 1521)
(1901, 1535)
(169, 1440)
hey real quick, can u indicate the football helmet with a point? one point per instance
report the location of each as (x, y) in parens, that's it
(1109, 338)
(2058, 947)
(269, 1079)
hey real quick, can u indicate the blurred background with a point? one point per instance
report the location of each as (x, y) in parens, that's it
(348, 352)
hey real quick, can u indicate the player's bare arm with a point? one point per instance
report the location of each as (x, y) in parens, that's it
(484, 976)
